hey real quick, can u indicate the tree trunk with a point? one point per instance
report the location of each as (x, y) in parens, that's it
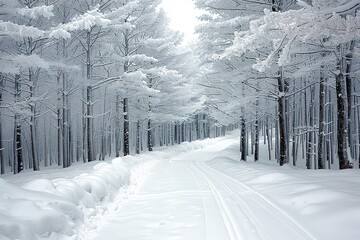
(65, 127)
(331, 130)
(58, 119)
(176, 133)
(109, 140)
(269, 141)
(84, 132)
(149, 131)
(282, 158)
(190, 131)
(89, 110)
(65, 110)
(126, 149)
(320, 150)
(149, 136)
(349, 94)
(277, 147)
(310, 133)
(46, 155)
(243, 139)
(341, 123)
(35, 162)
(341, 114)
(294, 142)
(197, 126)
(256, 155)
(281, 119)
(89, 124)
(103, 132)
(117, 127)
(204, 135)
(19, 156)
(183, 132)
(2, 160)
(138, 137)
(18, 162)
(252, 137)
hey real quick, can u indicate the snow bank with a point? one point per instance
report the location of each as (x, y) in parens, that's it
(52, 209)
(71, 203)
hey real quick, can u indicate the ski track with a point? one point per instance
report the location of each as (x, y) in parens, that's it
(239, 192)
(229, 220)
(230, 209)
(206, 236)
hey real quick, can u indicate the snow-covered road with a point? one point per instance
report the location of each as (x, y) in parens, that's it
(184, 198)
(194, 191)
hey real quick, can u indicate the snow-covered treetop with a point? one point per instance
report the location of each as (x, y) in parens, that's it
(14, 30)
(284, 29)
(86, 21)
(37, 12)
(121, 13)
(14, 63)
(139, 58)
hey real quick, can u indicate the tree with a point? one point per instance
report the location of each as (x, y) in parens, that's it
(231, 80)
(25, 63)
(285, 39)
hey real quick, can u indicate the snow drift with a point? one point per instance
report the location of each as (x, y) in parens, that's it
(45, 208)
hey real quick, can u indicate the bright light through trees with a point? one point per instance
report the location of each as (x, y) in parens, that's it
(183, 16)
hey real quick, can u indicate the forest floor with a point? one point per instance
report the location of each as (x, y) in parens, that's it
(194, 191)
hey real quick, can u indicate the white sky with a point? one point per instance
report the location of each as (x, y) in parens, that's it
(182, 14)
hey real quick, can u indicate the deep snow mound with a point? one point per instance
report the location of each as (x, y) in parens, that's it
(59, 208)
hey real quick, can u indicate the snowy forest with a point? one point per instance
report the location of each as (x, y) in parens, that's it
(179, 119)
(83, 80)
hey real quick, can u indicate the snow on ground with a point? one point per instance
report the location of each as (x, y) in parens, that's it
(72, 203)
(194, 191)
